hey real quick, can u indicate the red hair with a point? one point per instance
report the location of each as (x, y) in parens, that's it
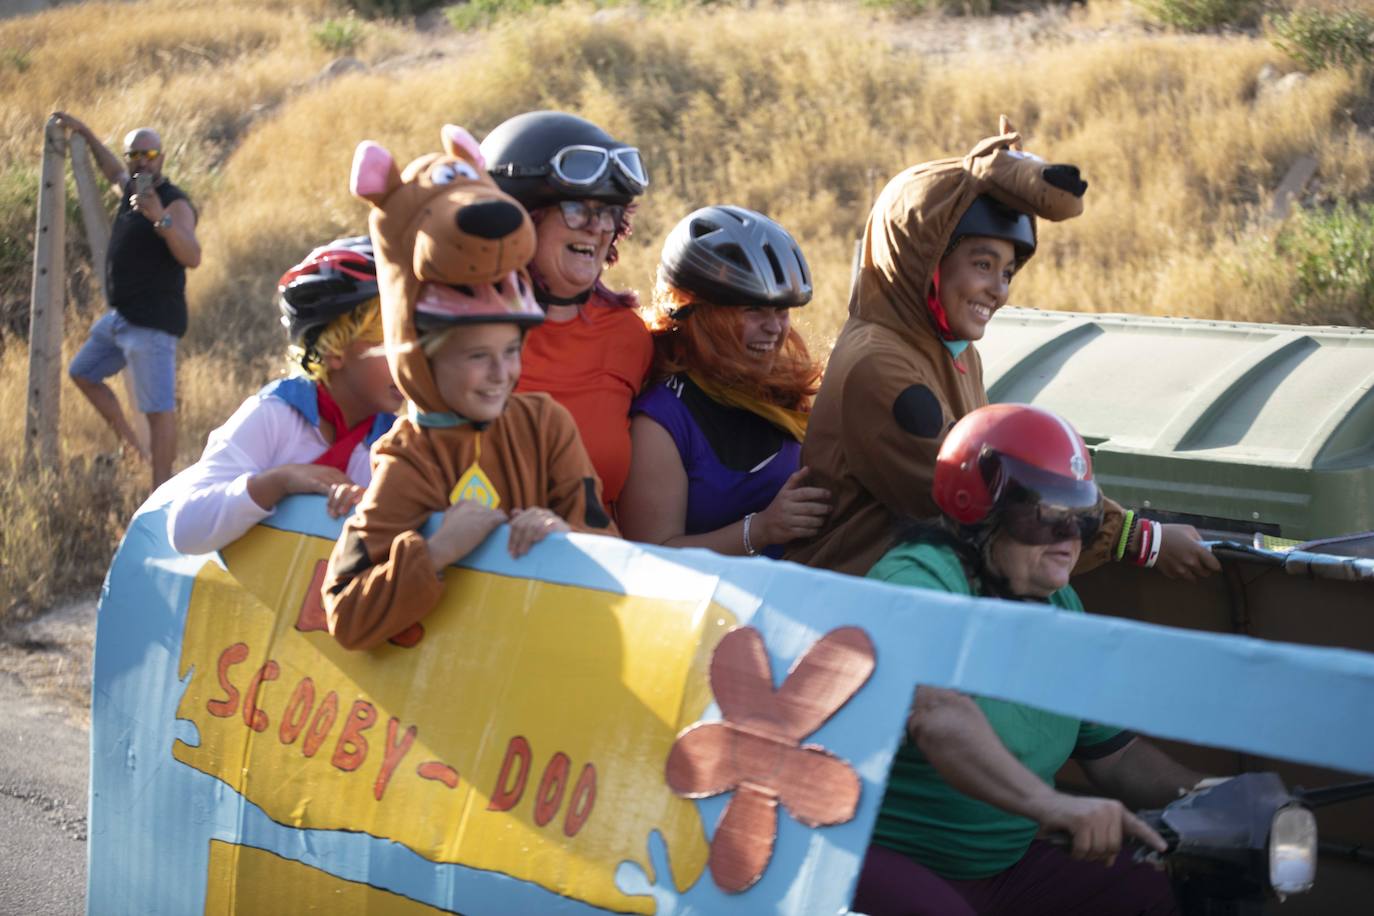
(705, 338)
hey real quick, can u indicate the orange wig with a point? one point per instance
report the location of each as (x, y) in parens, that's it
(704, 339)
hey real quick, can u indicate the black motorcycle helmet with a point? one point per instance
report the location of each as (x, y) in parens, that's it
(732, 256)
(542, 157)
(331, 281)
(988, 216)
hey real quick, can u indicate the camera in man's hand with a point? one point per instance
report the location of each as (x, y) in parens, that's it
(143, 181)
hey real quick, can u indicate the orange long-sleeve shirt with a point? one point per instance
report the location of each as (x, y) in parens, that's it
(594, 365)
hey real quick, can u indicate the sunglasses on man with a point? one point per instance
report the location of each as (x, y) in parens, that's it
(148, 154)
(578, 214)
(580, 167)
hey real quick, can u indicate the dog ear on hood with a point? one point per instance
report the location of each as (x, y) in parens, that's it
(460, 144)
(374, 174)
(1023, 180)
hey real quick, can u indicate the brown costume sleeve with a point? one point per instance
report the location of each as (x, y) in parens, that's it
(574, 488)
(894, 421)
(1103, 547)
(380, 578)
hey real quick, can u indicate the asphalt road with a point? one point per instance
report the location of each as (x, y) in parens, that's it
(44, 762)
(45, 670)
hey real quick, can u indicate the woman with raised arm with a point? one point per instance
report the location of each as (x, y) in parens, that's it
(943, 243)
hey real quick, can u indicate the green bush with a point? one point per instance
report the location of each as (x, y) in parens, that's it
(1325, 38)
(1202, 15)
(958, 7)
(1332, 256)
(394, 9)
(19, 60)
(339, 36)
(478, 13)
(474, 14)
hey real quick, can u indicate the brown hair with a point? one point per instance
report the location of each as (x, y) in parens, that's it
(624, 299)
(704, 338)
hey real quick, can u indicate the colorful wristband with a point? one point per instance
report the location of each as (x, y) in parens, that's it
(1155, 543)
(1143, 551)
(1125, 535)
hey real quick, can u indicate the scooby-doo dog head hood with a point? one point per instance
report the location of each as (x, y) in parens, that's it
(451, 248)
(914, 218)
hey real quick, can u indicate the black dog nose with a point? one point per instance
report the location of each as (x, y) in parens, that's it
(490, 219)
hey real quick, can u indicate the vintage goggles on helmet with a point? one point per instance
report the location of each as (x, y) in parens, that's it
(580, 167)
(1037, 507)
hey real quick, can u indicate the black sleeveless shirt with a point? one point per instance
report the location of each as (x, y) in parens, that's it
(145, 283)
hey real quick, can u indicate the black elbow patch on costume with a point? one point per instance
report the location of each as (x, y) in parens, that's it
(353, 559)
(917, 410)
(596, 515)
(1104, 748)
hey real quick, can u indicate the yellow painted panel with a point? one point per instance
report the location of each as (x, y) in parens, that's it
(518, 736)
(244, 881)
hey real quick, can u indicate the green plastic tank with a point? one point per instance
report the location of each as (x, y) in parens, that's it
(1231, 426)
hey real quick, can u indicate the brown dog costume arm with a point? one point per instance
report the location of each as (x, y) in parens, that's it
(1103, 546)
(380, 578)
(897, 412)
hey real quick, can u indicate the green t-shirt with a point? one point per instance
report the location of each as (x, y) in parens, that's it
(924, 817)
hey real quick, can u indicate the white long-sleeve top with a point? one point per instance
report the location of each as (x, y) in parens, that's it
(280, 424)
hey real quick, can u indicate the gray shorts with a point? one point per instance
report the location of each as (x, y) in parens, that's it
(150, 354)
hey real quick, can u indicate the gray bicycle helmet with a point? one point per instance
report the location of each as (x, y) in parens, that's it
(988, 216)
(733, 256)
(542, 157)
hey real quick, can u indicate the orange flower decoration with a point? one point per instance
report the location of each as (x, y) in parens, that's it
(757, 750)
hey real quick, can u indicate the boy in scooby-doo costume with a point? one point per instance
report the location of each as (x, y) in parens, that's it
(904, 369)
(451, 250)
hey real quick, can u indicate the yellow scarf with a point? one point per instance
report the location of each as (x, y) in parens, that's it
(792, 422)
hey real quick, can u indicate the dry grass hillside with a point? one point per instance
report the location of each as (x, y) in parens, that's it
(801, 111)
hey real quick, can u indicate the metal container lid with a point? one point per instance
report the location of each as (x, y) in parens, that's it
(1262, 427)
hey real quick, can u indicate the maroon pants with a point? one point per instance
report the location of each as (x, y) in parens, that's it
(1045, 882)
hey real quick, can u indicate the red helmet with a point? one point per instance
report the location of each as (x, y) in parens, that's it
(1021, 468)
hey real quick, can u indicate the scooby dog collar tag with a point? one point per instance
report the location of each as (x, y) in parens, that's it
(474, 485)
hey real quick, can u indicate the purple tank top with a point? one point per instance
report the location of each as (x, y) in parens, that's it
(735, 460)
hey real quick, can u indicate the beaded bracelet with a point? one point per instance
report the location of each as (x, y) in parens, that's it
(748, 545)
(1125, 535)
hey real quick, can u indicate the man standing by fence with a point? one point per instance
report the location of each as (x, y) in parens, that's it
(152, 243)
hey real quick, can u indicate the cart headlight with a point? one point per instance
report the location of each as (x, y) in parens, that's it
(1293, 850)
